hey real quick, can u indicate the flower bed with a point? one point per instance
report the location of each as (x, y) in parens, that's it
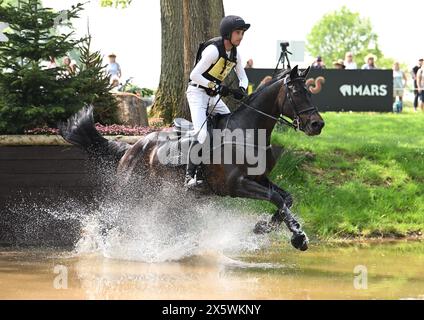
(50, 136)
(112, 130)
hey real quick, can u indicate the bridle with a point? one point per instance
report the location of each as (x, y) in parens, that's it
(295, 123)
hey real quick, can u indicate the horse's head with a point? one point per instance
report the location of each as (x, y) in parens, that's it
(296, 103)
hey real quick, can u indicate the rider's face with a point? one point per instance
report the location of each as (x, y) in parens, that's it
(236, 37)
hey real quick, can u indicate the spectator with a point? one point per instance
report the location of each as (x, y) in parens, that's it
(318, 64)
(115, 85)
(370, 60)
(264, 81)
(249, 64)
(70, 67)
(420, 86)
(339, 64)
(349, 63)
(113, 69)
(414, 77)
(52, 63)
(399, 83)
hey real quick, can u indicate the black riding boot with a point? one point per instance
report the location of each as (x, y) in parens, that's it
(192, 178)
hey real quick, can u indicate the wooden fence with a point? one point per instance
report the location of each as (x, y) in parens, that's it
(33, 178)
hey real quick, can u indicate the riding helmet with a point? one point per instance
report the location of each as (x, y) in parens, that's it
(230, 24)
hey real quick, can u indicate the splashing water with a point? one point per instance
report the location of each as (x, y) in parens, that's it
(165, 223)
(166, 227)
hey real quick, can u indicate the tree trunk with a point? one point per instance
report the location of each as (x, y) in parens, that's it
(194, 21)
(215, 11)
(171, 86)
(131, 109)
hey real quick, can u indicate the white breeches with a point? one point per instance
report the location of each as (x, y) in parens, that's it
(199, 102)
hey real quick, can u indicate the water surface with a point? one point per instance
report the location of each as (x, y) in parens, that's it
(389, 271)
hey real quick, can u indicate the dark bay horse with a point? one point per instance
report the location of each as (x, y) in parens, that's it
(286, 95)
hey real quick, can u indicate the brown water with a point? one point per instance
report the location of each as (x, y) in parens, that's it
(390, 271)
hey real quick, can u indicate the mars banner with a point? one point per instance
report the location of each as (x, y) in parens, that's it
(343, 90)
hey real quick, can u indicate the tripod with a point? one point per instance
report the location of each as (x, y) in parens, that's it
(283, 57)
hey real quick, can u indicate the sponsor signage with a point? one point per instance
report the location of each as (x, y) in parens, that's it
(344, 90)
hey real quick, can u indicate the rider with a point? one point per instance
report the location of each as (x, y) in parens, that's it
(215, 59)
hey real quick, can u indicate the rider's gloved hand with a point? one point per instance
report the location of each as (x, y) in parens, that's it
(239, 93)
(223, 90)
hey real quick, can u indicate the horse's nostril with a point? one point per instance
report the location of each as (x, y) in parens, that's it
(317, 125)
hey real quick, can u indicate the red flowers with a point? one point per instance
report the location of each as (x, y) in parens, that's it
(111, 130)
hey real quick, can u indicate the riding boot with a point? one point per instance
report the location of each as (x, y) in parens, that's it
(192, 178)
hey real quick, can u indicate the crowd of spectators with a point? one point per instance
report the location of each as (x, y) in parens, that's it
(400, 79)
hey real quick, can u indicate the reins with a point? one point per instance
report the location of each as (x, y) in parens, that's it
(295, 123)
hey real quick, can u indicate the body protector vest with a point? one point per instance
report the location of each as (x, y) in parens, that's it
(223, 66)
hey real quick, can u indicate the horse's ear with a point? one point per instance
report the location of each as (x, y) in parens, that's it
(294, 73)
(305, 73)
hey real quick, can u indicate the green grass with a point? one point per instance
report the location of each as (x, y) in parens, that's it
(363, 176)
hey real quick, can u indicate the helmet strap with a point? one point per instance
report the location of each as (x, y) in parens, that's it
(229, 40)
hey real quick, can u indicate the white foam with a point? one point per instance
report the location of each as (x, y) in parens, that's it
(156, 224)
(167, 226)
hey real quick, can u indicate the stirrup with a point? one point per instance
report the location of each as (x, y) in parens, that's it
(192, 182)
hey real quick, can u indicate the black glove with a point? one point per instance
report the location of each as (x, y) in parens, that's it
(239, 93)
(223, 90)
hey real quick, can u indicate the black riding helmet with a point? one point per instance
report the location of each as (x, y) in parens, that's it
(231, 23)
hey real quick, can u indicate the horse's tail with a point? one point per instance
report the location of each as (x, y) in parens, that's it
(81, 131)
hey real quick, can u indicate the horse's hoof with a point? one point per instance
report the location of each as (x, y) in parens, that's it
(262, 227)
(288, 200)
(300, 241)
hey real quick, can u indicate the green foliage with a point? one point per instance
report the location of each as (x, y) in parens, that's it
(116, 3)
(370, 169)
(387, 63)
(143, 92)
(6, 2)
(33, 95)
(342, 31)
(93, 85)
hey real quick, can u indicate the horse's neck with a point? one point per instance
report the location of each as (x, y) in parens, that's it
(265, 102)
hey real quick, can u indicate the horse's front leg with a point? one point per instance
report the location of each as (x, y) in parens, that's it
(248, 188)
(278, 217)
(288, 199)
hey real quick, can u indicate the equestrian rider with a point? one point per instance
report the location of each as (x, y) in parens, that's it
(215, 59)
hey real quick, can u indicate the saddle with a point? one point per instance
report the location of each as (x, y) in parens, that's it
(174, 143)
(182, 126)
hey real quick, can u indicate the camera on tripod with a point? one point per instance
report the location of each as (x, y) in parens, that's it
(283, 56)
(284, 45)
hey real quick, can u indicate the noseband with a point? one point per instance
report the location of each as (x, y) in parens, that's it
(296, 123)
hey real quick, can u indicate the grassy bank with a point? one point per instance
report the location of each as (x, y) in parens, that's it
(363, 176)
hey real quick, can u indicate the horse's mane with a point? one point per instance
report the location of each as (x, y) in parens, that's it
(278, 76)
